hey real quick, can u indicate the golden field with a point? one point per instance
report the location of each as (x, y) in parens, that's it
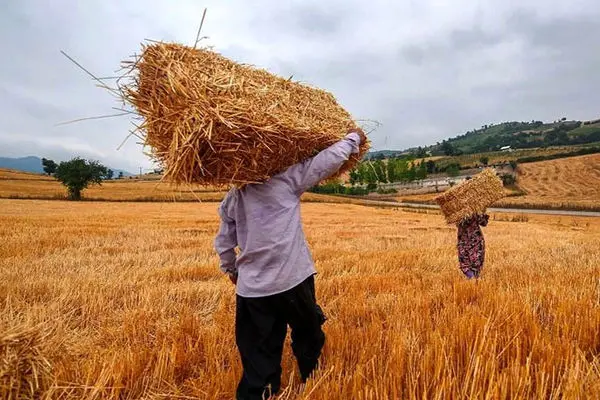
(125, 301)
(23, 185)
(566, 183)
(499, 157)
(572, 182)
(14, 184)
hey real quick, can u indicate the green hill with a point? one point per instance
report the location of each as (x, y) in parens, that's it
(520, 135)
(517, 135)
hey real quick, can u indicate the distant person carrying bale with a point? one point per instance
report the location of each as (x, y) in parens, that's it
(208, 120)
(274, 272)
(465, 206)
(471, 245)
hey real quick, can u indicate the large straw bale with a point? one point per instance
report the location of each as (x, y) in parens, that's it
(212, 121)
(471, 197)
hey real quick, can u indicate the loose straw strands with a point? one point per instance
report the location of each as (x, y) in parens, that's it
(24, 370)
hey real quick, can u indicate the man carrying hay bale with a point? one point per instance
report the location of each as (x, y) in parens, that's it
(274, 271)
(465, 206)
(209, 120)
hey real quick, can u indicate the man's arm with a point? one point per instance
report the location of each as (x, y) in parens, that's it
(226, 242)
(304, 175)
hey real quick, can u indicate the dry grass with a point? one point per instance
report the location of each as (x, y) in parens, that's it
(8, 174)
(20, 185)
(118, 190)
(132, 304)
(568, 182)
(499, 157)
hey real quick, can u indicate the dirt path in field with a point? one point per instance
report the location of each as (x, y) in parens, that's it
(377, 203)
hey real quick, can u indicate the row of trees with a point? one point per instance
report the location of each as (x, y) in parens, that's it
(403, 170)
(77, 174)
(389, 171)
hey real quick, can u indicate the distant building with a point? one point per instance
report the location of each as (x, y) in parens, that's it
(506, 149)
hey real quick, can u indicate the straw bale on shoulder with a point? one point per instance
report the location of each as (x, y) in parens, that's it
(212, 121)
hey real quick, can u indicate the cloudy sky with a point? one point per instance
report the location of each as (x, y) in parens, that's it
(425, 69)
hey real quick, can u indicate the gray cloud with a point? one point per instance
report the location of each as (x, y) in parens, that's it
(426, 70)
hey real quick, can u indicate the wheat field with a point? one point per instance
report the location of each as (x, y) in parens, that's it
(125, 301)
(566, 183)
(572, 182)
(23, 185)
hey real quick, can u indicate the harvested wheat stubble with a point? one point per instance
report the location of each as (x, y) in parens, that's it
(212, 121)
(471, 197)
(24, 371)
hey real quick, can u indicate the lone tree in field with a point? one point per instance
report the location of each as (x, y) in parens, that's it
(109, 174)
(78, 174)
(49, 166)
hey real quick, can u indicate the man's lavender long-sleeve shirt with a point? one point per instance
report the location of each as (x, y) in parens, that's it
(263, 220)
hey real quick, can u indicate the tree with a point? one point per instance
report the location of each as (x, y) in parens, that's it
(422, 171)
(420, 152)
(484, 160)
(120, 175)
(412, 173)
(370, 176)
(49, 166)
(396, 170)
(77, 174)
(453, 170)
(431, 167)
(109, 174)
(354, 176)
(447, 148)
(379, 168)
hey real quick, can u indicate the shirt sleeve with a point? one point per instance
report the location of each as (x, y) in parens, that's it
(304, 175)
(226, 240)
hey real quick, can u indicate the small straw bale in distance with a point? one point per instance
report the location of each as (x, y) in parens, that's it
(212, 121)
(471, 197)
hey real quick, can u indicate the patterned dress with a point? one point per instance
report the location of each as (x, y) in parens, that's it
(471, 245)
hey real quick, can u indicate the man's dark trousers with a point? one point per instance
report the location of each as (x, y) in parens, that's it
(260, 330)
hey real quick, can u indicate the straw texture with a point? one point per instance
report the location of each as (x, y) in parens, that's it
(24, 370)
(212, 121)
(471, 197)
